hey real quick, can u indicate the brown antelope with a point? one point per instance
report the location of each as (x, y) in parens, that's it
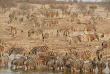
(73, 15)
(54, 21)
(81, 54)
(74, 39)
(52, 14)
(49, 23)
(45, 36)
(13, 30)
(91, 37)
(4, 60)
(85, 55)
(35, 32)
(89, 28)
(63, 30)
(1, 50)
(35, 24)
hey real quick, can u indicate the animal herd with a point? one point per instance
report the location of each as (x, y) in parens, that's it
(54, 37)
(41, 56)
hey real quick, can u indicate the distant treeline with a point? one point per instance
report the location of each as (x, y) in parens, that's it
(13, 3)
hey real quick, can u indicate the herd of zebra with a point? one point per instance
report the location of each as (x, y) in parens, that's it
(50, 29)
(41, 56)
(43, 20)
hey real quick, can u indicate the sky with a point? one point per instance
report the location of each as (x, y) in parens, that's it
(85, 0)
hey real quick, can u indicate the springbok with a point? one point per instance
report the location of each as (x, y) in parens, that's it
(1, 50)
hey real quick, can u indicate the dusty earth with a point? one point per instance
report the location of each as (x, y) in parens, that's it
(56, 43)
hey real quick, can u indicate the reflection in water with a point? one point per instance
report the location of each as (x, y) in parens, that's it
(7, 70)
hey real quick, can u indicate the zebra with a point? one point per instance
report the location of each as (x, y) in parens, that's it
(18, 62)
(16, 51)
(39, 49)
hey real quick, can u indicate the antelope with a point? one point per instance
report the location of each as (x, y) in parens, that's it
(45, 36)
(91, 37)
(35, 32)
(89, 28)
(4, 60)
(13, 30)
(73, 15)
(74, 39)
(64, 30)
(1, 50)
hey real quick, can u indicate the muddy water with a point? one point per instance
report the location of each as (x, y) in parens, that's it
(4, 70)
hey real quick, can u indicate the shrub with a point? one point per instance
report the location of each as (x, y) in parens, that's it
(93, 7)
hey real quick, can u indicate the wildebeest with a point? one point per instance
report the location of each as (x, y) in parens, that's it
(1, 50)
(18, 62)
(16, 51)
(4, 60)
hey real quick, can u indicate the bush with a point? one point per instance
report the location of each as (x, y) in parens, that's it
(93, 7)
(81, 6)
(7, 4)
(25, 7)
